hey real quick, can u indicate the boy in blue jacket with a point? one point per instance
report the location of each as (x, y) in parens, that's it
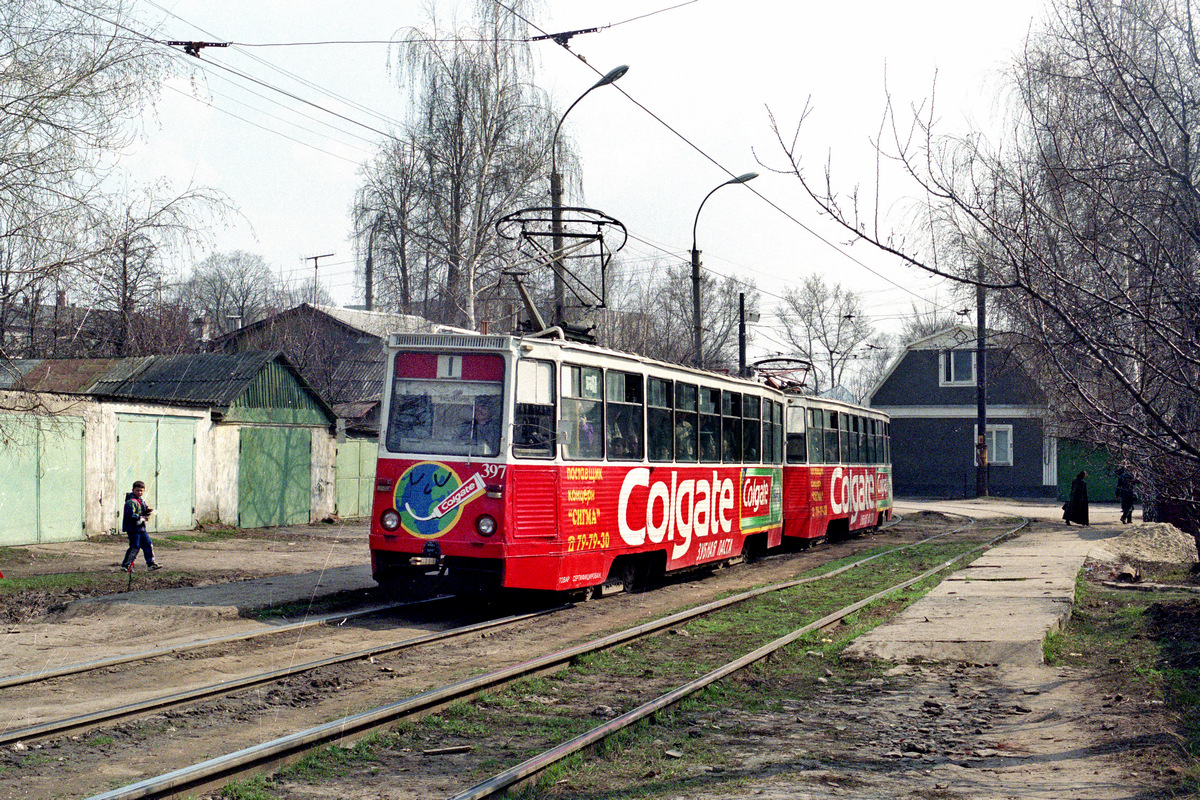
(133, 522)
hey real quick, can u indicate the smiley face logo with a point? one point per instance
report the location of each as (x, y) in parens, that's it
(421, 495)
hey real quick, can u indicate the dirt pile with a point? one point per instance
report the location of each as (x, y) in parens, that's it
(1147, 541)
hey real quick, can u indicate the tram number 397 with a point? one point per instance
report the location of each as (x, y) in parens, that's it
(587, 541)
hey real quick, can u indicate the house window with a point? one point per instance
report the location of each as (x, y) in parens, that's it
(999, 444)
(957, 368)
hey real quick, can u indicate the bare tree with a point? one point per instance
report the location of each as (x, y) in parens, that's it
(73, 86)
(827, 326)
(1083, 225)
(135, 237)
(231, 289)
(475, 148)
(650, 312)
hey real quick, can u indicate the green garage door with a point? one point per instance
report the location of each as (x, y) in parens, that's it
(41, 479)
(355, 477)
(274, 476)
(161, 451)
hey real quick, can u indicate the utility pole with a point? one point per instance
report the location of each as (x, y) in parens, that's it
(314, 260)
(981, 448)
(741, 334)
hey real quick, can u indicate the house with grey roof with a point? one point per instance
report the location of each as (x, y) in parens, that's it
(930, 392)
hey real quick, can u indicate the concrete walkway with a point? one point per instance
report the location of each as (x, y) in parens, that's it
(1000, 608)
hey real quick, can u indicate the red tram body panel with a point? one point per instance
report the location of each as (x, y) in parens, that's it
(526, 463)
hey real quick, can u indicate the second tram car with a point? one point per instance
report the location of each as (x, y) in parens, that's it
(531, 463)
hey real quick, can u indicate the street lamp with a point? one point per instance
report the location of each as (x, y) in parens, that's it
(556, 196)
(749, 176)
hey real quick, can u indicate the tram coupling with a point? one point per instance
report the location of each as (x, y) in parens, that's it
(431, 556)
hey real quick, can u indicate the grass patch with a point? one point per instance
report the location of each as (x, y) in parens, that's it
(1145, 647)
(61, 582)
(256, 788)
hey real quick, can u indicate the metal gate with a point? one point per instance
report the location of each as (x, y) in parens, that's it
(41, 479)
(274, 476)
(161, 451)
(355, 477)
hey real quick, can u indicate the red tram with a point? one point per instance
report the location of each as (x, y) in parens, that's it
(531, 463)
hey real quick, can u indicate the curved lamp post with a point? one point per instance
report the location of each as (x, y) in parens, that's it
(556, 195)
(749, 176)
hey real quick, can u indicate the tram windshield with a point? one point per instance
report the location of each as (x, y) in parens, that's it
(454, 419)
(446, 404)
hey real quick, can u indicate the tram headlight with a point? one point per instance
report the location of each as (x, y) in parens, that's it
(390, 520)
(485, 525)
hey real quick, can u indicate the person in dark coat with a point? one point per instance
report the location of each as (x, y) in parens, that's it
(1076, 509)
(1126, 492)
(133, 522)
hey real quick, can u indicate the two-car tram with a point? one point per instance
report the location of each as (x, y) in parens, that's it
(531, 463)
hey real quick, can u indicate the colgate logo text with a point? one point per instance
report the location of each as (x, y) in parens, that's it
(756, 495)
(675, 510)
(850, 492)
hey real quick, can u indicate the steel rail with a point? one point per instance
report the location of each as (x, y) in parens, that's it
(73, 669)
(129, 710)
(529, 768)
(91, 719)
(282, 749)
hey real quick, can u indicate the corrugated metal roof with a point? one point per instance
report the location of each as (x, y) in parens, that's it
(63, 375)
(376, 323)
(205, 379)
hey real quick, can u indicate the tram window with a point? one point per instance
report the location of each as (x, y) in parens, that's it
(710, 424)
(816, 436)
(778, 423)
(731, 427)
(751, 429)
(686, 447)
(625, 421)
(832, 455)
(797, 452)
(440, 413)
(773, 432)
(582, 409)
(660, 427)
(533, 428)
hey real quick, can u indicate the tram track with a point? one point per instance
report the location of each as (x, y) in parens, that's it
(283, 749)
(68, 670)
(125, 711)
(530, 768)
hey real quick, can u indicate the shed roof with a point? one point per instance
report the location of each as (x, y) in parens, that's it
(207, 380)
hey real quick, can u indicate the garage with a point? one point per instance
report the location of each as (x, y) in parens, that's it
(161, 451)
(41, 479)
(355, 467)
(274, 476)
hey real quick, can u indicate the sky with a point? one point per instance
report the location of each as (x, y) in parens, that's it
(705, 78)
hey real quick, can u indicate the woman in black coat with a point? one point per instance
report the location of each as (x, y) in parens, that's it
(1076, 509)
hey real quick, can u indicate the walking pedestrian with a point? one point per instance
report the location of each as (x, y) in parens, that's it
(1126, 492)
(133, 522)
(1076, 508)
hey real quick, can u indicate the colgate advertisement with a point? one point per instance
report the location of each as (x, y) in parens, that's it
(708, 508)
(857, 491)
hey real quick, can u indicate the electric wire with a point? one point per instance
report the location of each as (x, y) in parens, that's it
(714, 161)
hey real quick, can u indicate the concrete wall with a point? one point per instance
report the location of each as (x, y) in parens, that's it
(324, 476)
